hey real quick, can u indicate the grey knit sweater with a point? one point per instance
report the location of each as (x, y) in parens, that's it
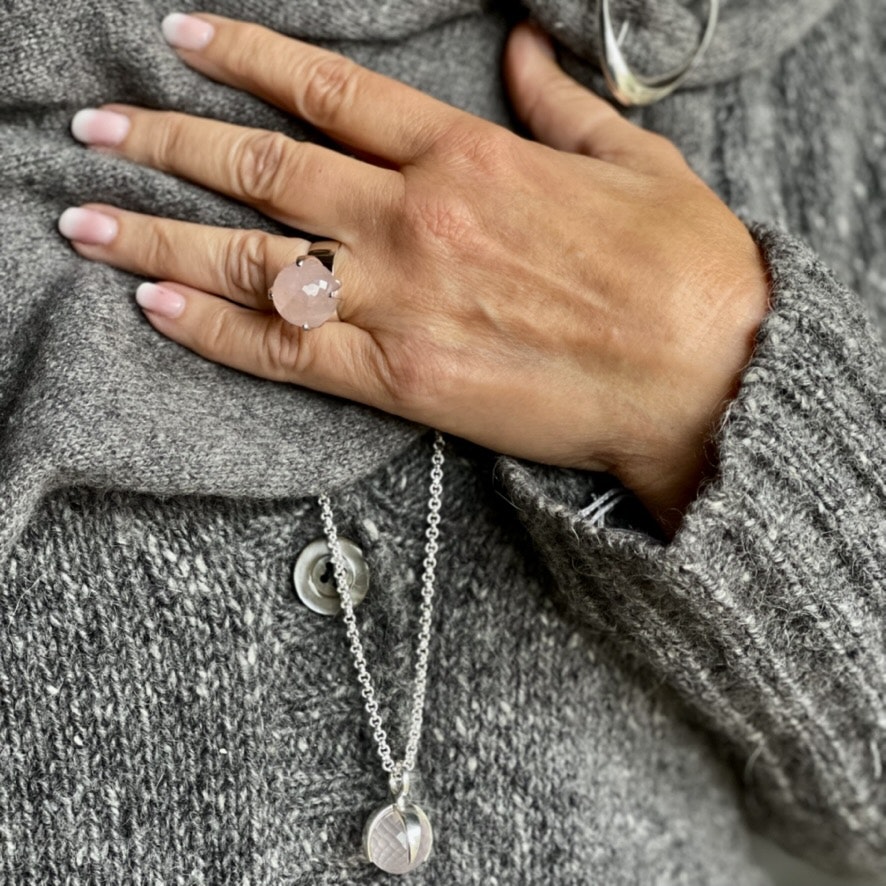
(602, 707)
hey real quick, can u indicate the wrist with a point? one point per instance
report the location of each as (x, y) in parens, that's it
(678, 453)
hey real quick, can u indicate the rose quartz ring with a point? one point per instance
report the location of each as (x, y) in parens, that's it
(304, 292)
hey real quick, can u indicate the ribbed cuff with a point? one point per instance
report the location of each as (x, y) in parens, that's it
(766, 610)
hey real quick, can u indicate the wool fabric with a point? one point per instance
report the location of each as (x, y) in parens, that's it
(603, 706)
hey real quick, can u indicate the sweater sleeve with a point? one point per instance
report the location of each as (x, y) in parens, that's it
(767, 610)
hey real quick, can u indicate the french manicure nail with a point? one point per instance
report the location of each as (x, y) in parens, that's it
(186, 32)
(159, 300)
(87, 226)
(94, 127)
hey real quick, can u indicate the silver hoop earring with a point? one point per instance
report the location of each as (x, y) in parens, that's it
(630, 88)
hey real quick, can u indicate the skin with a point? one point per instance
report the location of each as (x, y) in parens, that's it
(583, 300)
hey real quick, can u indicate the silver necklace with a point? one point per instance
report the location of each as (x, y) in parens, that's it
(397, 836)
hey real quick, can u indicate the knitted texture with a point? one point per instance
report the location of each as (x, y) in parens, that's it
(602, 707)
(174, 714)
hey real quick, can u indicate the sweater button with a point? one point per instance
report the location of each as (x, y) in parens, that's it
(314, 579)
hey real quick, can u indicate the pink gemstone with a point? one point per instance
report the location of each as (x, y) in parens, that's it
(305, 294)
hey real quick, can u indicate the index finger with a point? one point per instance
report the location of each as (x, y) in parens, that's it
(355, 106)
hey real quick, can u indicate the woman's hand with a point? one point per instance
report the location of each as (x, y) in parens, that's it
(588, 302)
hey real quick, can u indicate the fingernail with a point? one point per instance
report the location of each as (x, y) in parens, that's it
(94, 127)
(159, 300)
(87, 226)
(542, 40)
(186, 32)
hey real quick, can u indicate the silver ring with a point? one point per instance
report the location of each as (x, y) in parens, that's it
(631, 88)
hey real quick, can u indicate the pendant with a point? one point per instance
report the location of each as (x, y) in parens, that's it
(398, 838)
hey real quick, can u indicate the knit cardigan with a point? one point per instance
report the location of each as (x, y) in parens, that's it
(603, 706)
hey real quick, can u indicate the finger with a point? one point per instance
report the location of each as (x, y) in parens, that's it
(356, 106)
(301, 184)
(239, 264)
(336, 358)
(565, 115)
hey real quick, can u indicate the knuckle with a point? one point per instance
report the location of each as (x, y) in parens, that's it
(167, 145)
(329, 87)
(160, 249)
(484, 150)
(442, 220)
(283, 349)
(260, 165)
(490, 151)
(251, 42)
(246, 262)
(217, 335)
(440, 223)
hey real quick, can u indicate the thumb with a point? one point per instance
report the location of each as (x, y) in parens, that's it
(563, 114)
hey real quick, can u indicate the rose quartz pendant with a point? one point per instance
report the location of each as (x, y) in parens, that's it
(398, 838)
(304, 293)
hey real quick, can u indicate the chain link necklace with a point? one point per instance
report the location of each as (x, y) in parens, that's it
(397, 837)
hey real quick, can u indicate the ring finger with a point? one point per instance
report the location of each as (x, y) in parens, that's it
(239, 264)
(336, 359)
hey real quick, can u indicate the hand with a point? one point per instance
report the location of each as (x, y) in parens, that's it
(588, 302)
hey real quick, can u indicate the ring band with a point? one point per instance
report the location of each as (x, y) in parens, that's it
(304, 292)
(325, 250)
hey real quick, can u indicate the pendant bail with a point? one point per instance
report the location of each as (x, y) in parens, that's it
(399, 783)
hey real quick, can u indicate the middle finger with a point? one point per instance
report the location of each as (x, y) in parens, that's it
(354, 105)
(303, 185)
